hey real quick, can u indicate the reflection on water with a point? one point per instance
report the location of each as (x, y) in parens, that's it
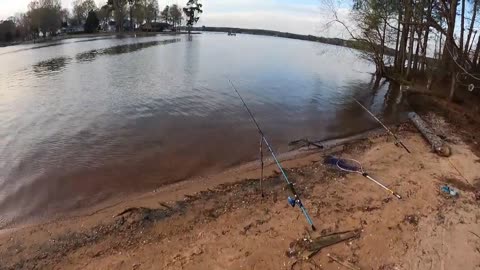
(101, 129)
(87, 56)
(57, 64)
(13, 49)
(121, 49)
(53, 65)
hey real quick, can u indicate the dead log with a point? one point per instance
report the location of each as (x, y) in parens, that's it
(438, 145)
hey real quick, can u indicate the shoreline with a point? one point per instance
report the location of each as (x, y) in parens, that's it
(195, 184)
(198, 30)
(222, 221)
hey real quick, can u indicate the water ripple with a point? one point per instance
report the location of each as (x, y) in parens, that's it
(51, 66)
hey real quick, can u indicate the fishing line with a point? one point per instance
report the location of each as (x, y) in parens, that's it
(296, 198)
(458, 171)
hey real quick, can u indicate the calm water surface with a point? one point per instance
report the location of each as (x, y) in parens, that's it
(82, 121)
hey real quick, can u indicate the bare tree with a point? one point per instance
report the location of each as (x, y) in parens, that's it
(81, 8)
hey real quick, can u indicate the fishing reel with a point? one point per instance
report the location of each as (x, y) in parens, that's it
(294, 201)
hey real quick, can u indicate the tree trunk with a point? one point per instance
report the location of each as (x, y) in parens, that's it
(470, 30)
(440, 47)
(475, 56)
(449, 40)
(471, 44)
(397, 43)
(452, 86)
(404, 39)
(450, 47)
(118, 16)
(415, 61)
(424, 49)
(462, 29)
(410, 50)
(376, 84)
(382, 44)
(425, 39)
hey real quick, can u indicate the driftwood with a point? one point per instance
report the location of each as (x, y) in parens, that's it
(438, 145)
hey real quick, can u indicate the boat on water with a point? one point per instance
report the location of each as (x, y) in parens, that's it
(230, 33)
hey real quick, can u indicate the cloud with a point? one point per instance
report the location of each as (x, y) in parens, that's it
(279, 21)
(306, 18)
(11, 7)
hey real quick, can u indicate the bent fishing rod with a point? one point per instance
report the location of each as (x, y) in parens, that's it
(397, 140)
(296, 198)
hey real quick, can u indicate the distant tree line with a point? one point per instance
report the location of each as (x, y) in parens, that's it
(47, 18)
(264, 32)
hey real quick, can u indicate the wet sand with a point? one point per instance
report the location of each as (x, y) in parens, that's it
(222, 222)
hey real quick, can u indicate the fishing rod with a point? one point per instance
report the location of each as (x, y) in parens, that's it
(397, 140)
(296, 198)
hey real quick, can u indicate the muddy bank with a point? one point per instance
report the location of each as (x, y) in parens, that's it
(224, 223)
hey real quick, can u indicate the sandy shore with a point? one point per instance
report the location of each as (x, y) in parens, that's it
(222, 222)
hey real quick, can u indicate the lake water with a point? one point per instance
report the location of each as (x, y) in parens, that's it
(83, 120)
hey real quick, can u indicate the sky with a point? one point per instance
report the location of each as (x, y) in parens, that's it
(295, 16)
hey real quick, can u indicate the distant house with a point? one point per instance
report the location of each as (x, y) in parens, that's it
(156, 27)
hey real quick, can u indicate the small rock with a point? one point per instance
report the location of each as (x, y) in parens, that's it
(196, 251)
